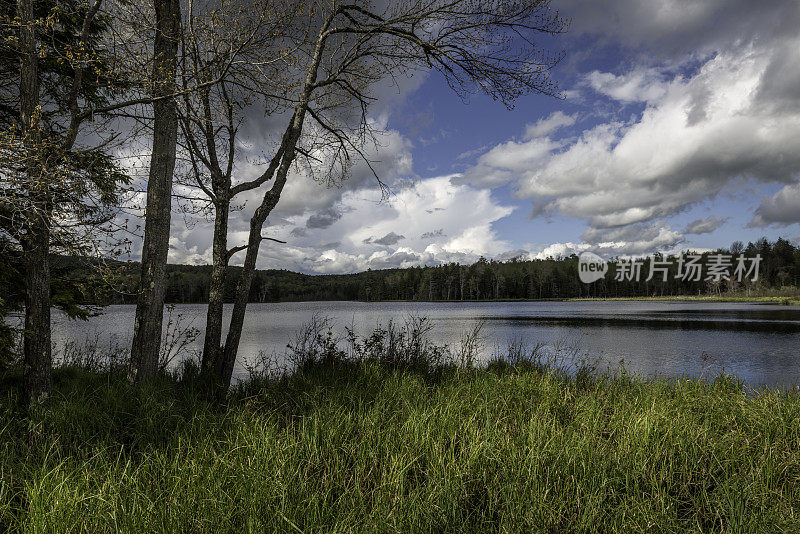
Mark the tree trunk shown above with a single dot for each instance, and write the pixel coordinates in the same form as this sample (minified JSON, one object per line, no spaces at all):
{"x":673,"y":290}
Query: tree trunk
{"x":224,"y":367}
{"x":224,"y":370}
{"x":150,"y":304}
{"x":216,"y":290}
{"x":36,"y":244}
{"x":36,"y":344}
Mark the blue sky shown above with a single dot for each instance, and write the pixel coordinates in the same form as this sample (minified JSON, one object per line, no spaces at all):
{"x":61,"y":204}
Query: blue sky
{"x":679,"y":128}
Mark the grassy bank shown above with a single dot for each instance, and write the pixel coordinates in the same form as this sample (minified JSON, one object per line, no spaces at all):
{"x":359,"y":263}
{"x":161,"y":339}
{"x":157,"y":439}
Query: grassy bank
{"x":367,"y":447}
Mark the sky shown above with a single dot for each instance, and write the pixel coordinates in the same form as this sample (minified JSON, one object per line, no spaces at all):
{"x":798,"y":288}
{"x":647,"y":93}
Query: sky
{"x":678,"y":128}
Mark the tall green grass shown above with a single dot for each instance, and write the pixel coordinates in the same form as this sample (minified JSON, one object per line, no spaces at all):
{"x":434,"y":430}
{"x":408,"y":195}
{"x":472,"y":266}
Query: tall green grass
{"x":360,"y":447}
{"x":390,"y":440}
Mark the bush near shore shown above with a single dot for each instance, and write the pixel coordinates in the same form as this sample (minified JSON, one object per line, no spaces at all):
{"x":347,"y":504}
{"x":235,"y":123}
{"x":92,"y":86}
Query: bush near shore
{"x":400,"y":444}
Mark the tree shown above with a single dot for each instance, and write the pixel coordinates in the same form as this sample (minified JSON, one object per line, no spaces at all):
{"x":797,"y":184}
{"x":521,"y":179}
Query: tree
{"x":75,"y":65}
{"x":337,"y":51}
{"x":199,"y":70}
{"x":55,"y":185}
{"x":228,"y":42}
{"x":163,"y":87}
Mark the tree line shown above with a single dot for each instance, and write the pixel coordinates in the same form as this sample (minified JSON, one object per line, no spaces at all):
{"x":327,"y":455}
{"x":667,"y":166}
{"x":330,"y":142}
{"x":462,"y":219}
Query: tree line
{"x":83,"y":81}
{"x":524,"y":279}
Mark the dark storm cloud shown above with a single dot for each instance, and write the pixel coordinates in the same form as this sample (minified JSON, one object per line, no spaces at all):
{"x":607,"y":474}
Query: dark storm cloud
{"x":324,"y":218}
{"x":780,"y":209}
{"x":705,"y":226}
{"x":389,"y":239}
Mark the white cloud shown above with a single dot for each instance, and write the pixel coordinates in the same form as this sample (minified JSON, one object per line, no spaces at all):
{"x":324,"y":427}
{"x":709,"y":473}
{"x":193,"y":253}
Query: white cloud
{"x":696,"y":137}
{"x":641,"y":85}
{"x":421,"y":223}
{"x":505,"y":162}
{"x":549,"y":124}
{"x":309,"y":204}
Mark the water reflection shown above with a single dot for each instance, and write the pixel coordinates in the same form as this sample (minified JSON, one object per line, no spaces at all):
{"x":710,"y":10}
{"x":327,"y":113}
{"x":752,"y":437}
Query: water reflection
{"x":758,"y":343}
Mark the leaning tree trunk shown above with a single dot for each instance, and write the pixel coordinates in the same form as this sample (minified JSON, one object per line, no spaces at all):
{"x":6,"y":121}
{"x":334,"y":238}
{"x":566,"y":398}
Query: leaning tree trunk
{"x":36,"y":244}
{"x":150,"y":304}
{"x":224,"y":366}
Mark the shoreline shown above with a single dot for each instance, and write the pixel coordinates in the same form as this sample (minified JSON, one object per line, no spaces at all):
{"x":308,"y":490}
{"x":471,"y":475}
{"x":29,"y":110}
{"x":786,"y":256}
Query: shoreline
{"x":786,"y":301}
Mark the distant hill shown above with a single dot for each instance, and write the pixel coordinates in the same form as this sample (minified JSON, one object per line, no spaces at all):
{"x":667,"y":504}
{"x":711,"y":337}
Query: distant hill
{"x":552,"y":278}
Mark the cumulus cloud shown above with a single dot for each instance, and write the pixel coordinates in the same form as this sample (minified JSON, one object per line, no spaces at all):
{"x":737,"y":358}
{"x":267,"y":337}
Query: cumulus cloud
{"x":717,"y":83}
{"x":507,"y":161}
{"x":705,"y":226}
{"x":349,"y":243}
{"x":696,"y":137}
{"x":516,"y":254}
{"x":658,"y":235}
{"x":780,"y":209}
{"x":667,"y":241}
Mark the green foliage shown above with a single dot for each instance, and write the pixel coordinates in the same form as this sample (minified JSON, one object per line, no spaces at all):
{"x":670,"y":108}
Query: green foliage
{"x":59,"y":25}
{"x":43,"y":173}
{"x":362,"y":447}
{"x":70,"y":290}
{"x":12,"y":294}
{"x":7,"y":354}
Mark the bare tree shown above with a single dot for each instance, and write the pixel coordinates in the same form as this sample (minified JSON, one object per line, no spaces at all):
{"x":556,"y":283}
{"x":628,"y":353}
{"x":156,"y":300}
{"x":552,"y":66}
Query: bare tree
{"x":246,"y":42}
{"x":332,"y":56}
{"x":211,"y":54}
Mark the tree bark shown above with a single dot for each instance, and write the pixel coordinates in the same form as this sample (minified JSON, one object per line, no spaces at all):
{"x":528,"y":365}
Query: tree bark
{"x":36,"y":244}
{"x":36,"y":344}
{"x":150,"y":304}
{"x":216,"y":291}
{"x":224,"y":366}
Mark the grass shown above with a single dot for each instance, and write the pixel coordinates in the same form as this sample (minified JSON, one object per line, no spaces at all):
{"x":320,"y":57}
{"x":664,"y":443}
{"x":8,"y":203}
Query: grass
{"x":362,"y":446}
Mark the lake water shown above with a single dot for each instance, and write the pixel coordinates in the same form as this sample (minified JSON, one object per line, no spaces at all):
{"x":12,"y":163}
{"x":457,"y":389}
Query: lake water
{"x":758,"y":343}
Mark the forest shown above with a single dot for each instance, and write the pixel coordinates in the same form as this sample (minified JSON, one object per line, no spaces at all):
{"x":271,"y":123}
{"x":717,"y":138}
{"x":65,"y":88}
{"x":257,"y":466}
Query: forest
{"x":78,"y":282}
{"x":551,"y":278}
